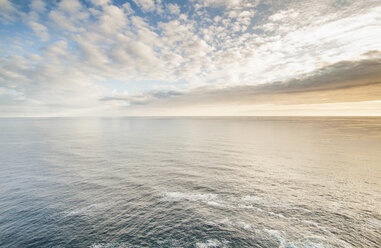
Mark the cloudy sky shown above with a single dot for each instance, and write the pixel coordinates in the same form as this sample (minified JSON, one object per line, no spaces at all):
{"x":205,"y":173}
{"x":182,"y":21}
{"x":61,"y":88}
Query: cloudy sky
{"x":211,"y":57}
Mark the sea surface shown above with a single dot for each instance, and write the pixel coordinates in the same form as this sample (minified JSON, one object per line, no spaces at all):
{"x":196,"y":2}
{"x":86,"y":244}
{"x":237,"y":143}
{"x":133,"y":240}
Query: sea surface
{"x":190,"y":182}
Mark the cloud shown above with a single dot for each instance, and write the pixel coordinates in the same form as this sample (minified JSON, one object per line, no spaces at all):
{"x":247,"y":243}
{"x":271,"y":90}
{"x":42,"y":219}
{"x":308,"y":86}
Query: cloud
{"x":7,"y":11}
{"x":359,"y":80}
{"x":173,"y":9}
{"x":184,"y":53}
{"x":146,"y":5}
{"x":112,"y":20}
{"x":70,"y":6}
{"x":142,"y":99}
{"x":38,"y":6}
{"x":70,"y":15}
{"x":100,"y":2}
{"x":221,"y":3}
{"x":40,"y":30}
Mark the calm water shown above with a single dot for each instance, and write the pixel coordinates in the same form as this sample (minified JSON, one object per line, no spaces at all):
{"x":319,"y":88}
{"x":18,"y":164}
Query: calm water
{"x":190,"y":182}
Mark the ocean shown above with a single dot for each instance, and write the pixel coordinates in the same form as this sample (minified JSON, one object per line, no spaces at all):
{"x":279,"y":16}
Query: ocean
{"x":190,"y":182}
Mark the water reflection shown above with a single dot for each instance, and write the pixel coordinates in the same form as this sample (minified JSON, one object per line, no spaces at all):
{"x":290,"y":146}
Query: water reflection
{"x":217,"y":182}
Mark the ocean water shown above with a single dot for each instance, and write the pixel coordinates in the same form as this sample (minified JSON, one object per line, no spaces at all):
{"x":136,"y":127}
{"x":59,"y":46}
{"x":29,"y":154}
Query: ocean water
{"x":190,"y":182}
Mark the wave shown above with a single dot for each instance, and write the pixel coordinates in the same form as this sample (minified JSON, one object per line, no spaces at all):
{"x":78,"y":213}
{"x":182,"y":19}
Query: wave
{"x":229,"y":223}
{"x":170,"y":243}
{"x":265,"y":206}
{"x":178,"y":196}
{"x":307,"y":242}
{"x":212,"y":243}
{"x":208,"y":199}
{"x":213,"y":200}
{"x":375,"y":223}
{"x":269,"y":202}
{"x":110,"y":245}
{"x":88,"y":210}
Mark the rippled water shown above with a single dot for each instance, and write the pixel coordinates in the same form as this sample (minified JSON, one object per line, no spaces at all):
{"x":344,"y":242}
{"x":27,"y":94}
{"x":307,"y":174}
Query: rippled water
{"x":190,"y":182}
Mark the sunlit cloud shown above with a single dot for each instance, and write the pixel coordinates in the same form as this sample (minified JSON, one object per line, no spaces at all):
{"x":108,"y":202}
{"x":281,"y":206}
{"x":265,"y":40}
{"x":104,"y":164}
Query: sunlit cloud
{"x":104,"y":57}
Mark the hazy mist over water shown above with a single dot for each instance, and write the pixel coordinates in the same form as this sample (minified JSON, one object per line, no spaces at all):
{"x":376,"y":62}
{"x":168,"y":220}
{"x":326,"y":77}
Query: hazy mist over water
{"x":190,"y":182}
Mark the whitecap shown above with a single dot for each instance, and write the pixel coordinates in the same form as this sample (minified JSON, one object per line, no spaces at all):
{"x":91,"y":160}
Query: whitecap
{"x":179,"y":196}
{"x":316,"y":225}
{"x":278,"y":236}
{"x":208,"y":199}
{"x":110,"y":245}
{"x":230,"y":223}
{"x":281,"y":238}
{"x":277,"y":215}
{"x":211,"y":243}
{"x":270,"y":202}
{"x":85,"y":210}
{"x":215,"y":204}
{"x":171,"y":242}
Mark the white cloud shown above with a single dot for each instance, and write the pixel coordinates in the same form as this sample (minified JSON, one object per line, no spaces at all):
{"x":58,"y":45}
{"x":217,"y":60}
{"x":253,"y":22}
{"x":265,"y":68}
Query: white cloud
{"x":173,"y":9}
{"x":146,"y":5}
{"x":38,"y":6}
{"x":70,"y":6}
{"x":7,"y":11}
{"x":40,"y":30}
{"x":100,"y":2}
{"x":112,"y":20}
{"x":127,"y":8}
{"x":220,"y":3}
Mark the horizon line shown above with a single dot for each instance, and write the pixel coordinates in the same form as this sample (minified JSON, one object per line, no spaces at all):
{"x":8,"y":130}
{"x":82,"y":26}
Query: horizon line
{"x":193,"y":116}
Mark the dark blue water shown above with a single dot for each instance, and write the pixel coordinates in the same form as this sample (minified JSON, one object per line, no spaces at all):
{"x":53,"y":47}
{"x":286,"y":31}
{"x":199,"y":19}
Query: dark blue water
{"x":190,"y":182}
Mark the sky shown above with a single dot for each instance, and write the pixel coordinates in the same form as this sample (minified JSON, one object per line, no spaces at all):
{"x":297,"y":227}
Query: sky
{"x":190,"y":58}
